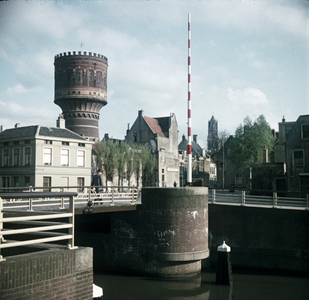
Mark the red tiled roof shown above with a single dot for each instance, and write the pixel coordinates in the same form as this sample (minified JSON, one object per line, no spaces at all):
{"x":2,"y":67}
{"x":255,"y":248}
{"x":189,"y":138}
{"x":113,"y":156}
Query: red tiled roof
{"x":154,"y":126}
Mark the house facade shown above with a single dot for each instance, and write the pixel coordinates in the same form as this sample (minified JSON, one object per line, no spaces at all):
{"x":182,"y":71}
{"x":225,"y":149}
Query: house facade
{"x":161,"y":134}
{"x":297,"y":156}
{"x":41,"y":156}
{"x":204,"y":171}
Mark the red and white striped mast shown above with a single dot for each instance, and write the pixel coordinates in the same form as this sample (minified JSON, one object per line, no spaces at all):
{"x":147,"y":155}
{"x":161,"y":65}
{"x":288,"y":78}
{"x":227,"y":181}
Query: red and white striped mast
{"x":189,"y":146}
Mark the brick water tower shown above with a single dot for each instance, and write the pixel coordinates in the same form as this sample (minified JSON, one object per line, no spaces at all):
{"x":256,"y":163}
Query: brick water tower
{"x":81,"y":90}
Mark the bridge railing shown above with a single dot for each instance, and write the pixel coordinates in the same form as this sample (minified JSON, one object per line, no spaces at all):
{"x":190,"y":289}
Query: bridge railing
{"x":33,"y":222}
{"x":111,"y":195}
{"x":248,"y":198}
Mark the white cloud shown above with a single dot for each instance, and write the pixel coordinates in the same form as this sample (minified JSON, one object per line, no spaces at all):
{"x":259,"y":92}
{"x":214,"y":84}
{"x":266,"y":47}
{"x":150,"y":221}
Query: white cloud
{"x":250,"y":96}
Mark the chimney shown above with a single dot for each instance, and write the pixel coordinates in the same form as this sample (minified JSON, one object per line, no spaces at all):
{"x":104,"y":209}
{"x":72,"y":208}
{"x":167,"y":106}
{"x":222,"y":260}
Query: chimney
{"x":195,"y":138}
{"x":60,"y":122}
{"x":106,"y":137}
{"x":17,"y":125}
{"x":183,"y":137}
{"x":283,"y":119}
{"x":265,"y":155}
{"x":140,"y":113}
{"x":1,"y":128}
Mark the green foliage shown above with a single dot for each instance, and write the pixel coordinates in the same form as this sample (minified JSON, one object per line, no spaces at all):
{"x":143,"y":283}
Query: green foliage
{"x":149,"y":163}
{"x":246,"y":149}
{"x":124,"y":159}
{"x":108,"y":158}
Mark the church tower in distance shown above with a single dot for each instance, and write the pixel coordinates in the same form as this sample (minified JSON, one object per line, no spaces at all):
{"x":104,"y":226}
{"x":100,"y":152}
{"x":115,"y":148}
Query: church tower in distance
{"x":81,"y":90}
{"x":212,"y":139}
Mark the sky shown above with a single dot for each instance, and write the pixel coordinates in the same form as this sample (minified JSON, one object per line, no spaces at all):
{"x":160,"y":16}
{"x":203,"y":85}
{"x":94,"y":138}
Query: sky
{"x":247,"y":58}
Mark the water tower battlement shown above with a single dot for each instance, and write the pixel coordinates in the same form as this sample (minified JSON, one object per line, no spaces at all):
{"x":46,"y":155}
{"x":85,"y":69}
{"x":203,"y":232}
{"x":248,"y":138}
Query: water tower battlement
{"x":81,"y":90}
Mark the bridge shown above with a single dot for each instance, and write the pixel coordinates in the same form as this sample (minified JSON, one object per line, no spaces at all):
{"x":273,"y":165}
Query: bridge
{"x":32,"y":207}
{"x":264,"y":232}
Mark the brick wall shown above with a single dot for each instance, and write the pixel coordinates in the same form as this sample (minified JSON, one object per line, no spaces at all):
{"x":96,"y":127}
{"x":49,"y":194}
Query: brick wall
{"x":167,"y":236}
{"x":57,"y":273}
{"x":261,"y":238}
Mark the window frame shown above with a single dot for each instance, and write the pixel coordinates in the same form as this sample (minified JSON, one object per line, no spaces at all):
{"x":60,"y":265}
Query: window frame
{"x":302,"y":131}
{"x":16,"y":157}
{"x":67,"y":157}
{"x":27,"y":156}
{"x":50,"y":156}
{"x":303,"y":158}
{"x":83,"y":157}
{"x":6,"y":158}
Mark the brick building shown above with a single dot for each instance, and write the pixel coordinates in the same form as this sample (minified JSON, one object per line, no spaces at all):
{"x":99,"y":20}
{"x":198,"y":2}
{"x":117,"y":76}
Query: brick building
{"x":81,"y":90}
{"x":162,"y":135}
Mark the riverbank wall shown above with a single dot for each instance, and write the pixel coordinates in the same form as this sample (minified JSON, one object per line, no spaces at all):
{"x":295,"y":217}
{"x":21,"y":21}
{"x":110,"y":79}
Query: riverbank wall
{"x":47,"y":272}
{"x":261,"y":239}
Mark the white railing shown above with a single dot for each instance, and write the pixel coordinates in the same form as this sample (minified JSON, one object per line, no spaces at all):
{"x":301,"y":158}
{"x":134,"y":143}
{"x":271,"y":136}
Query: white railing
{"x":245,"y":198}
{"x":89,"y":196}
{"x":33,"y":222}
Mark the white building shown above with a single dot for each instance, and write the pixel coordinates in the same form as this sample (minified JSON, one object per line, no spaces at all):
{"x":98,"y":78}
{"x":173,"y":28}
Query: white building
{"x":43,"y":156}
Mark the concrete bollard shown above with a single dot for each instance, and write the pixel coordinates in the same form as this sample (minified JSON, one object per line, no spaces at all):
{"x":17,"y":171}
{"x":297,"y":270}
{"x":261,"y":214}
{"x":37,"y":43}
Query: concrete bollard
{"x":224,"y":265}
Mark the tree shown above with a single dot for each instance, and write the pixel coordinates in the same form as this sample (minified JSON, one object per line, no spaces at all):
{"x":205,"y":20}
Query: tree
{"x":246,"y":149}
{"x":125,"y":160}
{"x":223,"y":135}
{"x":120,"y":160}
{"x":108,"y":158}
{"x":149,"y":163}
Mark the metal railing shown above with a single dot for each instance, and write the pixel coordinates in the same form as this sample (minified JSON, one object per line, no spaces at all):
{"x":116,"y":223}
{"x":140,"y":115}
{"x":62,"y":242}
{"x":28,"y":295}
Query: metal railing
{"x":110,"y":195}
{"x":247,"y":198}
{"x":33,"y":222}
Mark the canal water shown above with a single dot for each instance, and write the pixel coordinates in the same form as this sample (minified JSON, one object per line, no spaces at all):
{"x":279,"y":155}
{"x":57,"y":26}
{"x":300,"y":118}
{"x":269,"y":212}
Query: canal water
{"x":203,"y":287}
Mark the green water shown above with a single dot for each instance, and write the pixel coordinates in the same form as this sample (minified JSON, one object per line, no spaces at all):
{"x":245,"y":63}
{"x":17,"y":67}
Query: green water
{"x":203,"y":287}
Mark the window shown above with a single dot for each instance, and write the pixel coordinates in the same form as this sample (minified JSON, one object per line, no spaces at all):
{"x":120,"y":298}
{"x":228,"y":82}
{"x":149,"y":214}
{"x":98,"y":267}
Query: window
{"x":305,"y":131}
{"x":135,"y":136}
{"x":64,"y":157}
{"x":79,"y":76}
{"x":16,"y":157}
{"x":98,"y":77}
{"x":47,"y":156}
{"x":16,"y":181}
{"x":238,"y":178}
{"x":16,"y":142}
{"x":27,"y":156}
{"x":81,"y":145}
{"x":5,"y":144}
{"x":80,"y":183}
{"x":80,"y":158}
{"x":298,"y":157}
{"x":65,"y":143}
{"x":46,"y":183}
{"x":27,"y":142}
{"x":48,"y":142}
{"x":27,"y":181}
{"x":5,"y":181}
{"x":89,"y":75}
{"x":6,"y":157}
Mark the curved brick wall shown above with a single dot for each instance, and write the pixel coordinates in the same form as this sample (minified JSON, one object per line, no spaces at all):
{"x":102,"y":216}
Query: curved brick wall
{"x":81,"y":90}
{"x":176,"y":229}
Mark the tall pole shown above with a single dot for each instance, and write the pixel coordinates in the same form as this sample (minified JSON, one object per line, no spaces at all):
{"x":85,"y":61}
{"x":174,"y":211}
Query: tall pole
{"x":189,"y":147}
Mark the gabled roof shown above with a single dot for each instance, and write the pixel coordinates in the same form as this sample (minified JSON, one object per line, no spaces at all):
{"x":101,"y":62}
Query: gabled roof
{"x":154,"y":126}
{"x":32,"y":131}
{"x":196,"y":148}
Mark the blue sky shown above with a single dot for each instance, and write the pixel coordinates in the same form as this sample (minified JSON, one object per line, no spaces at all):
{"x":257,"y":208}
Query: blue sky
{"x":248,"y":58}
